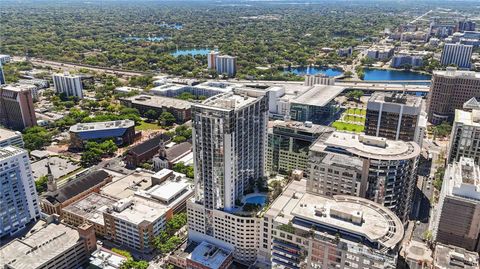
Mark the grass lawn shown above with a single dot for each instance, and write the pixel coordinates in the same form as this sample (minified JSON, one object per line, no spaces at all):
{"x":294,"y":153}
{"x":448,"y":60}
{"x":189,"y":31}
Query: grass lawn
{"x":357,"y":111}
{"x":147,"y":126}
{"x":342,"y":126}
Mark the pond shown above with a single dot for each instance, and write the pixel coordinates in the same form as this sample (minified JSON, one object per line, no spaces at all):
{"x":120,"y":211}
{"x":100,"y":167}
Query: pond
{"x":191,"y":52}
{"x":379,"y":74}
{"x":312,"y":70}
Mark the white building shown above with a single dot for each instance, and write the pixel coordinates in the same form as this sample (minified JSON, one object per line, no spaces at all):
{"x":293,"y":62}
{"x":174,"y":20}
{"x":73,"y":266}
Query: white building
{"x":321,"y":79}
{"x":69,"y":84}
{"x":457,"y":54}
{"x":10,"y":138}
{"x":226,"y":64}
{"x":465,"y":134}
{"x":229,"y":133}
{"x":18,"y":195}
{"x":4,"y":59}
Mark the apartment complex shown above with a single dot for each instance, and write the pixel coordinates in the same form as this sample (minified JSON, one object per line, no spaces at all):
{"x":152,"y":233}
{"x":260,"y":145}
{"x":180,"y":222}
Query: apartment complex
{"x":406,"y":60}
{"x":211,"y":59}
{"x":381,"y":170}
{"x":18,"y":195}
{"x":70,"y":85}
{"x":450,"y":89}
{"x":226,"y":64}
{"x":10,"y":138}
{"x":179,"y":108}
{"x":288,"y":145}
{"x":49,"y":245}
{"x":380,"y":52}
{"x":465,"y":136}
{"x":303,"y":230}
{"x":122,"y":131}
{"x":458,"y":209}
{"x":229,"y":133}
{"x":458,"y":54}
{"x":396,"y":117}
{"x":16,"y":107}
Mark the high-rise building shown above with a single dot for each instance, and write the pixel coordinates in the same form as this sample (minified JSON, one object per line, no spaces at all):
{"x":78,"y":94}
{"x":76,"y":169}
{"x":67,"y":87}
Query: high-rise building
{"x":395,"y":116}
{"x":10,"y":138}
{"x":450,"y":89}
{"x":2,"y":75}
{"x":466,"y":25}
{"x":18,"y":195}
{"x":70,"y":85}
{"x":381,"y":170}
{"x":457,"y":54}
{"x":302,"y":230}
{"x":226,"y":64}
{"x":465,"y":137}
{"x":212,"y":59}
{"x":229,"y":137}
{"x":288,"y":144}
{"x":457,"y":220}
{"x":16,"y":107}
{"x":321,"y":79}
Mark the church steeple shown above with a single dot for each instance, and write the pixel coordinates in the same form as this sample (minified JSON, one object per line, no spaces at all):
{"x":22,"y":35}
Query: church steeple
{"x":51,"y":182}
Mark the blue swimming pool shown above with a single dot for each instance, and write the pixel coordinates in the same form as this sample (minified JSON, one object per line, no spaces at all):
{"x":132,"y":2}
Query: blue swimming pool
{"x":257,"y":199}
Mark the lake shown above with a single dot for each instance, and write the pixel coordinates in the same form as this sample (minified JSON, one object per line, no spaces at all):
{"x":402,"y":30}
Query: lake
{"x":378,"y":74}
{"x":191,"y":52}
{"x":311,"y":70}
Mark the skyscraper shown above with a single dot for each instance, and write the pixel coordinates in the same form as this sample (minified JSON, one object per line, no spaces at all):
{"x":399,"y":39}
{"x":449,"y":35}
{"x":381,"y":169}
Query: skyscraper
{"x":71,"y":85}
{"x":18,"y":195}
{"x":395,"y":116}
{"x":381,"y":170}
{"x":226,"y":64}
{"x":229,"y":136}
{"x":2,"y":75}
{"x":16,"y":107}
{"x":450,"y":89}
{"x":212,"y":59}
{"x":464,"y":140}
{"x":457,"y":54}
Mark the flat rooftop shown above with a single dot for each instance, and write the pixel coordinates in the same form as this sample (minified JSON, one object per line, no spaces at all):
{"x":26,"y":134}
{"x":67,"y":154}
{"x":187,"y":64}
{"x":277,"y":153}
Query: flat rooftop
{"x":233,"y":100}
{"x":301,"y":126}
{"x":462,"y":179}
{"x":209,"y":255}
{"x":68,"y":75}
{"x":97,"y":126}
{"x":351,"y":214}
{"x":468,"y":118}
{"x":136,"y":209}
{"x":7,"y":134}
{"x":10,"y":151}
{"x":453,"y":73}
{"x":91,"y":207}
{"x":451,"y":257}
{"x":39,"y":247}
{"x":396,"y":98}
{"x":159,"y":101}
{"x":368,"y":146}
{"x":128,"y":185}
{"x":58,"y":166}
{"x":318,"y":95}
{"x":18,"y":87}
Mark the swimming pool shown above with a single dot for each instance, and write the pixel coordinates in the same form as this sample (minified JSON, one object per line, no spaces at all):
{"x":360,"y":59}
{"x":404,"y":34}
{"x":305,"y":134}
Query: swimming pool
{"x":256,"y":199}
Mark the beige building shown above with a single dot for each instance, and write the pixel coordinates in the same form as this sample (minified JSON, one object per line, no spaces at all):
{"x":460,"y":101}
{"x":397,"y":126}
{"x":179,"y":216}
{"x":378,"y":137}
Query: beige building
{"x":450,"y":89}
{"x":381,"y":170}
{"x":450,"y":257}
{"x":49,"y":245}
{"x":458,"y":210}
{"x":465,"y":136}
{"x":304,"y":230}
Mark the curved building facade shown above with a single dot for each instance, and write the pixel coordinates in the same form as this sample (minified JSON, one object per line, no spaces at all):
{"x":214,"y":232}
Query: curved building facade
{"x":381,"y":170}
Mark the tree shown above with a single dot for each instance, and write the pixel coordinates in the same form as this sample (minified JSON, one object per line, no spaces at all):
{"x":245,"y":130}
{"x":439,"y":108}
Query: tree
{"x":348,"y":74}
{"x":179,"y":139}
{"x":151,"y":114}
{"x":36,"y":137}
{"x":131,"y":264}
{"x":167,"y":118}
{"x":41,"y":184}
{"x":184,"y":169}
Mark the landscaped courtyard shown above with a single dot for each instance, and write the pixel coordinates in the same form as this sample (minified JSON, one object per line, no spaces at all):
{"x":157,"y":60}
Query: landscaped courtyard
{"x":352,"y":120}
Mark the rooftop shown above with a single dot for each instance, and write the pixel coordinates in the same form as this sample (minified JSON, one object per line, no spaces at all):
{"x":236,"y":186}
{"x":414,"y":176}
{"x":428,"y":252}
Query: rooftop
{"x":18,"y":87}
{"x":353,"y":215}
{"x":106,"y":259}
{"x":91,"y":207}
{"x":76,"y":186}
{"x":454,"y":73}
{"x":7,"y":134}
{"x":239,"y":98}
{"x":58,"y":166}
{"x":9,"y":151}
{"x":106,"y":125}
{"x":396,"y":98}
{"x":178,"y":150}
{"x":170,"y":191}
{"x":301,"y":126}
{"x":209,"y":255}
{"x":159,"y":101}
{"x":368,"y":146}
{"x":136,"y":209}
{"x":149,"y":144}
{"x":471,"y":118}
{"x":318,"y":95}
{"x":128,"y":185}
{"x":38,"y":247}
{"x":462,"y":179}
{"x":450,"y":257}
{"x":66,"y":74}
